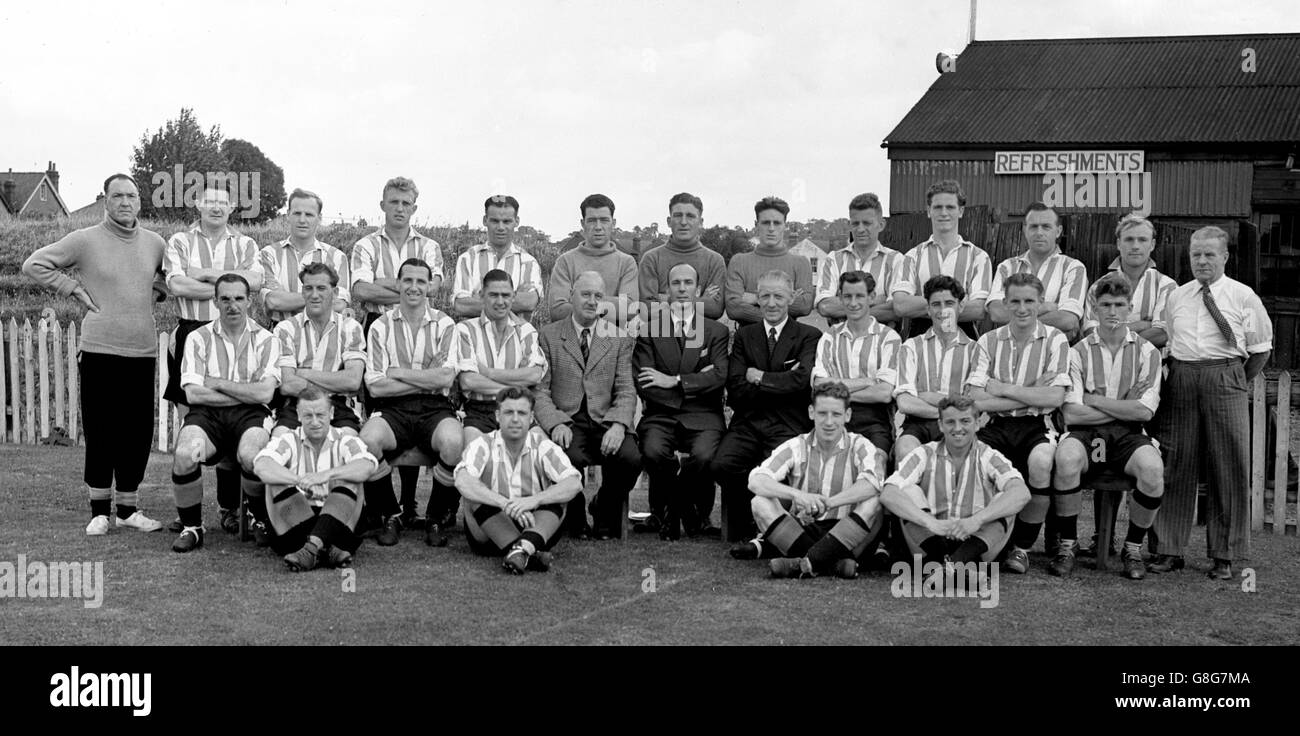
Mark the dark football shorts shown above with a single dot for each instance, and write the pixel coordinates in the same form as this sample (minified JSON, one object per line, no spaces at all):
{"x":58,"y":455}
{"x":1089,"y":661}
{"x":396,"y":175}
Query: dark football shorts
{"x":873,"y":422}
{"x":413,"y":419}
{"x":924,"y":430}
{"x":1016,"y":437}
{"x":1110,"y":446}
{"x":225,"y":425}
{"x":481,"y":415}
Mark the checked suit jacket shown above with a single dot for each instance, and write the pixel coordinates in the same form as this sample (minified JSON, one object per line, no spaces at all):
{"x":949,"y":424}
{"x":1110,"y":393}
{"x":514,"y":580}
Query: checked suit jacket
{"x":779,"y":404}
{"x":697,"y":401}
{"x":605,"y":379}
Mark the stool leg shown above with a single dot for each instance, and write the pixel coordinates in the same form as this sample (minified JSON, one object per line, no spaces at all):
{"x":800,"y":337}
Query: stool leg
{"x":1105,"y":529}
{"x":244,"y":534}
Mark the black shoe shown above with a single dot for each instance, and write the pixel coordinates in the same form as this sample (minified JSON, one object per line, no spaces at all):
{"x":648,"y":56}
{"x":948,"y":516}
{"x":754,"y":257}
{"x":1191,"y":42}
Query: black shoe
{"x":540,"y":561}
{"x":1063,"y":563}
{"x":649,"y":525}
{"x":1222,"y":570}
{"x":446,"y":520}
{"x":230,"y":521}
{"x":191,"y":538}
{"x":262,"y":534}
{"x":302,"y":560}
{"x":1165,"y":563}
{"x":516,"y":560}
{"x":879,"y":561}
{"x":1134,"y":567}
{"x":433,"y":535}
{"x":750,"y":550}
{"x":389,"y":533}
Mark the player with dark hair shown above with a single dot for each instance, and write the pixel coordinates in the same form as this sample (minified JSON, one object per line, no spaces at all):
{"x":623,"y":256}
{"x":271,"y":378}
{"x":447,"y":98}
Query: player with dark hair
{"x":772,"y":253}
{"x":958,"y":496}
{"x":816,"y":499}
{"x":1065,"y":280}
{"x":598,"y":253}
{"x":863,"y":253}
{"x":515,"y":485}
{"x":1115,"y":389}
{"x":686,"y":221}
{"x":498,"y":253}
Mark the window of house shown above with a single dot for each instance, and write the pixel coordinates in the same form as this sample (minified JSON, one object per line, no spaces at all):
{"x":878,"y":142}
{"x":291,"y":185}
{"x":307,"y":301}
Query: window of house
{"x":1279,"y":253}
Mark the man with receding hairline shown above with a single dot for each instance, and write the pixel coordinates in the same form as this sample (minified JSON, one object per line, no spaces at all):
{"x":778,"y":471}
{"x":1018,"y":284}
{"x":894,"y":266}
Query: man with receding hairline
{"x":1064,"y":278}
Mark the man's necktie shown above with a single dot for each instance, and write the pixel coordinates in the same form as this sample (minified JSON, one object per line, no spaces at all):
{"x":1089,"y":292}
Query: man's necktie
{"x":1224,"y":328}
{"x":586,"y":334}
{"x":771,"y":341}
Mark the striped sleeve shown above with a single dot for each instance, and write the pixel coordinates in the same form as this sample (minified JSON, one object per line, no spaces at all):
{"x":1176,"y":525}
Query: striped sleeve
{"x":1074,"y":393}
{"x":1164,"y":287}
{"x":825,"y":357}
{"x":778,"y":465}
{"x":286,"y":333}
{"x":981,"y":275}
{"x":280,"y":449}
{"x":377,"y":350}
{"x":890,"y":345}
{"x":1074,"y":288}
{"x":998,"y":469}
{"x":352,"y":342}
{"x":460,"y":287}
{"x":997,"y":291}
{"x":532,"y":273}
{"x":907,"y":363}
{"x":864,"y":458}
{"x":905,"y":282}
{"x":530,"y":344}
{"x":345,"y":273}
{"x":268,"y":359}
{"x":363,"y":261}
{"x":896,"y":268}
{"x":432,"y":254}
{"x":979,"y":369}
{"x":1152,"y":373}
{"x":248,"y":260}
{"x":911,"y":471}
{"x":476,"y":456}
{"x":1058,"y":360}
{"x":555,"y":463}
{"x":352,"y":448}
{"x":194,"y":366}
{"x":177,"y":257}
{"x":828,"y":278}
{"x":271,"y":280}
{"x":462,"y":356}
{"x":446,"y":336}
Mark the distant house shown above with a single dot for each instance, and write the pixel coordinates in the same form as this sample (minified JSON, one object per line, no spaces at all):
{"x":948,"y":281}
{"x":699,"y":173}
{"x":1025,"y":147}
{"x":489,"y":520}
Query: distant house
{"x":94,"y":209}
{"x":32,"y":194}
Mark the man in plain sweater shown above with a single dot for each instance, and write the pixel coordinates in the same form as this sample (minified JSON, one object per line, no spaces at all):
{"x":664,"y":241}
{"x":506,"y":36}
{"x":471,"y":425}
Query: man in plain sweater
{"x":686,"y":220}
{"x":771,"y":254}
{"x":119,"y":264}
{"x":597,"y":253}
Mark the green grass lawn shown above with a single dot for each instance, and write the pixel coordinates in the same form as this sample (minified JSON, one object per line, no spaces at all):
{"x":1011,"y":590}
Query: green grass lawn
{"x":232,"y":593}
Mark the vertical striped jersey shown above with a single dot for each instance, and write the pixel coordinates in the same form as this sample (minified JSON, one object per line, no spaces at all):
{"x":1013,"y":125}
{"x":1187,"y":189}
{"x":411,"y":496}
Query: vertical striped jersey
{"x":192,"y":249}
{"x":955,"y":488}
{"x":474,"y":263}
{"x":925,"y":364}
{"x":1149,"y":295}
{"x":1065,"y":280}
{"x":394,"y":341}
{"x":800,"y":463}
{"x":376,"y":256}
{"x":1094,"y":369}
{"x":884,"y":264}
{"x":998,"y":357}
{"x":294,"y":451}
{"x":281,"y":263}
{"x":476,"y":346}
{"x":967,"y":263}
{"x":541,"y":464}
{"x":303,"y":346}
{"x":250,"y":357}
{"x":874,"y":355}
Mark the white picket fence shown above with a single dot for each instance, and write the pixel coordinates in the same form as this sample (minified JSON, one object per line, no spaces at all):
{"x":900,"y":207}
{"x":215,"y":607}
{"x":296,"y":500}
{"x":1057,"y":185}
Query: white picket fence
{"x":41,"y":366}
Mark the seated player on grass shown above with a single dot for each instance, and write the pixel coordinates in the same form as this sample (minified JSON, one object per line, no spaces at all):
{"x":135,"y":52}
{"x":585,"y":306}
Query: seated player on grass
{"x":515,"y":486}
{"x":314,"y":475}
{"x":958,"y":497}
{"x":816,"y":497}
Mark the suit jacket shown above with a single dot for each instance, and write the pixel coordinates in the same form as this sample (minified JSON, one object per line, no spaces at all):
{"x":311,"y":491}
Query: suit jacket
{"x":697,"y":401}
{"x":606,"y":379}
{"x":780,"y":402}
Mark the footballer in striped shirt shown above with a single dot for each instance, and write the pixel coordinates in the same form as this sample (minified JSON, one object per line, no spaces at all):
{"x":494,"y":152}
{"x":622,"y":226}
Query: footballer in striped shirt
{"x":375,"y":257}
{"x":516,"y":485}
{"x":322,"y":348}
{"x":313,"y":476}
{"x":864,"y":253}
{"x":957,"y":497}
{"x":1020,"y":376}
{"x":1115,"y":378}
{"x":282,"y":261}
{"x":816,"y":497}
{"x":500,"y":218}
{"x":932,"y":366}
{"x":1135,"y":240}
{"x":1065,"y":279}
{"x":494,"y":351}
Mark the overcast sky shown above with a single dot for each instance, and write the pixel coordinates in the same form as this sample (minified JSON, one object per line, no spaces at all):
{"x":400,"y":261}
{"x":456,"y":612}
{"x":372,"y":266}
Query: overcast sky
{"x":545,"y":100}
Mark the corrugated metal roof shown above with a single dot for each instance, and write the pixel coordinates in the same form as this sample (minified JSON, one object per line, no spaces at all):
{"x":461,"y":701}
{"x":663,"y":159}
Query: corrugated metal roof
{"x":1189,"y":89}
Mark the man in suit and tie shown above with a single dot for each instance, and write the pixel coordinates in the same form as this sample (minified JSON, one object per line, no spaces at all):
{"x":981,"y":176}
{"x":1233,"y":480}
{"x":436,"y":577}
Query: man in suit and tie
{"x":768,"y":388}
{"x":681,"y":370}
{"x":586,"y":400}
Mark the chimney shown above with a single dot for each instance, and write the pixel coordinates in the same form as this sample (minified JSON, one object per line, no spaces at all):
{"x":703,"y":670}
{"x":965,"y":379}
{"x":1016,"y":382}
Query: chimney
{"x":53,"y":176}
{"x":9,"y":195}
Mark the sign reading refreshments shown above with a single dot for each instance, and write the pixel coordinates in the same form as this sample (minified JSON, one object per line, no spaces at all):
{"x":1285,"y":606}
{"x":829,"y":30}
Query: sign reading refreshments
{"x":1066,"y":162}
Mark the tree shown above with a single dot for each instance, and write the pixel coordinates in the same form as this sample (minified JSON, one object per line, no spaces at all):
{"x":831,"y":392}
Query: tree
{"x":244,"y":158}
{"x":164,"y":161}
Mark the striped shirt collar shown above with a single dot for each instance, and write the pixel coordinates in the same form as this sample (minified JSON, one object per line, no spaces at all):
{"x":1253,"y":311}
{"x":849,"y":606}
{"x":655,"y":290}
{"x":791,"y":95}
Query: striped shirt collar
{"x":514,"y":323}
{"x":962,"y":337}
{"x":1094,"y":337}
{"x":250,"y":328}
{"x":976,"y":450}
{"x":841,"y":445}
{"x":333,"y":436}
{"x":315,"y":245}
{"x":511,"y":249}
{"x":879,"y":250}
{"x":1024,"y":257}
{"x":428,"y":315}
{"x":226,"y":232}
{"x":501,"y":451}
{"x":1004,"y":332}
{"x":411,"y":234}
{"x":932,"y":243}
{"x":1116,"y":265}
{"x":874,"y":327}
{"x":303,"y":320}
